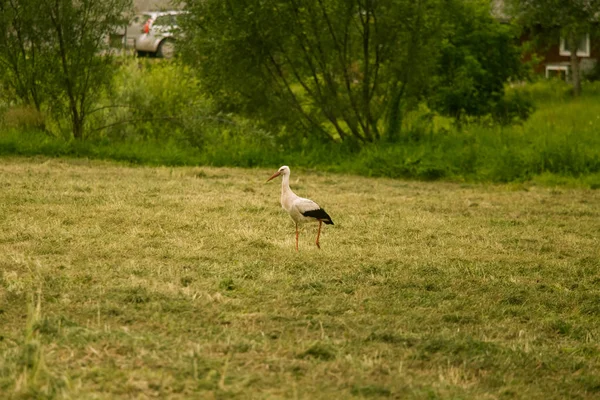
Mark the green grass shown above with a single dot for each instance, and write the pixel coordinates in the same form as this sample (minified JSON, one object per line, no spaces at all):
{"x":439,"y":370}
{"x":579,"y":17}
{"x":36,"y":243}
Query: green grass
{"x":121,"y":282}
{"x":559,"y":143}
{"x":560,"y":139}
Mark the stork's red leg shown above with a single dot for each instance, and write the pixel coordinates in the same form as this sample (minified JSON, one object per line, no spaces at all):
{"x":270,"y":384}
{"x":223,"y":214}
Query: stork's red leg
{"x":296,"y":237}
{"x":319,"y":234}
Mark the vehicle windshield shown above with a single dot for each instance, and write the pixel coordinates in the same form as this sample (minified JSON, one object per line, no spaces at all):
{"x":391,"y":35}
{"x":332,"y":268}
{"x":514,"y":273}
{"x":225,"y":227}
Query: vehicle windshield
{"x":140,"y":19}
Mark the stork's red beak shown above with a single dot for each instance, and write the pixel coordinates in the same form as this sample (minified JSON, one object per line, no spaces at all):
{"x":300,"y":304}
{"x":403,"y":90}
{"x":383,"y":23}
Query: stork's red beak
{"x":275,"y":175}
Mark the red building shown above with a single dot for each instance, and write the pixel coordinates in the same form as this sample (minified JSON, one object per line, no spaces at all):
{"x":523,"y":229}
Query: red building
{"x":551,"y":49}
{"x":556,"y":58}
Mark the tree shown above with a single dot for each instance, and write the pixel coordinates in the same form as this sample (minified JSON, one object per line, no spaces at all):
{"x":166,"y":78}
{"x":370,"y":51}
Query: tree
{"x":573,"y":18}
{"x":477,"y":58}
{"x":346,"y":69}
{"x":54,"y":53}
{"x":21,"y":66}
{"x":336,"y":67}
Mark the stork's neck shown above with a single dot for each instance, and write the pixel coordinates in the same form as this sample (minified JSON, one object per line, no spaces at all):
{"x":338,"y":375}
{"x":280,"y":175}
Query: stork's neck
{"x":285,"y":184}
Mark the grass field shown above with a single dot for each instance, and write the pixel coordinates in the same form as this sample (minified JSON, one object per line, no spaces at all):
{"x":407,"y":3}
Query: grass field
{"x":121,"y":282}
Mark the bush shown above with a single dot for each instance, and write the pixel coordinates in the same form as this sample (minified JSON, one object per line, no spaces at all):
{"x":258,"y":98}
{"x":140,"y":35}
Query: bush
{"x":514,"y":108}
{"x":23,"y":117}
{"x":151,"y":100}
{"x":161,"y":101}
{"x":471,"y":76}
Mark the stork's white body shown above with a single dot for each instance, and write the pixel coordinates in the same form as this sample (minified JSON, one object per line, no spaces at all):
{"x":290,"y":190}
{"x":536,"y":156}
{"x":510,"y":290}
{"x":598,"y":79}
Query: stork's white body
{"x":300,"y":209}
{"x":294,"y":204}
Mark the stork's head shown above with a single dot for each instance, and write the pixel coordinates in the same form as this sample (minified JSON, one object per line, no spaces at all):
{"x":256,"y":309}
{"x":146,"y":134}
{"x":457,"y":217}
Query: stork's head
{"x":285,"y":170}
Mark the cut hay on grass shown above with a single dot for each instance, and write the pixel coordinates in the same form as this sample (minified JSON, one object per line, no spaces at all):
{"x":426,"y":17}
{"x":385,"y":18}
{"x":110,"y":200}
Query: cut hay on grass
{"x":121,"y":282}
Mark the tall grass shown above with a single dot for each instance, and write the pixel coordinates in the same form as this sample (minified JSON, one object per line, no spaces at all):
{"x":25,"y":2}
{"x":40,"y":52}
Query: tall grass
{"x":157,"y":115}
{"x":560,"y":138}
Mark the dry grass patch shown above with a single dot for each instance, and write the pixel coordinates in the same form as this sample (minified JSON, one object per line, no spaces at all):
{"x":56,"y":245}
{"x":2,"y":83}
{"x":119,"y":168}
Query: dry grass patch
{"x":184,"y":282}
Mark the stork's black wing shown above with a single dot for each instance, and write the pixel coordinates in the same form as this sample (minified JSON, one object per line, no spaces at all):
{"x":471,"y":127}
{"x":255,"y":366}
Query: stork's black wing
{"x":319,"y":214}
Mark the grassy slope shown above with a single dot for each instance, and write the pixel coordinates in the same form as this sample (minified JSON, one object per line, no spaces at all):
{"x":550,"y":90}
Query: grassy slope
{"x":179,"y":281}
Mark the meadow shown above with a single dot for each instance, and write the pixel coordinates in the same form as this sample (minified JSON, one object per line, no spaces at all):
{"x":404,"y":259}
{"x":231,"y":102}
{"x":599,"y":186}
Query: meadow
{"x":182,"y":282}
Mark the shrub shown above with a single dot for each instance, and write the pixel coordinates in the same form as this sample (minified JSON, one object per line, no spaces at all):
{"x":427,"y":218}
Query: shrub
{"x":515,"y":107}
{"x":151,"y":100}
{"x":23,"y":117}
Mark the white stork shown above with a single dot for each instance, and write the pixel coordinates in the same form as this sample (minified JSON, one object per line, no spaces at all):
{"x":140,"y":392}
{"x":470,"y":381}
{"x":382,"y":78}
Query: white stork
{"x":300,"y":209}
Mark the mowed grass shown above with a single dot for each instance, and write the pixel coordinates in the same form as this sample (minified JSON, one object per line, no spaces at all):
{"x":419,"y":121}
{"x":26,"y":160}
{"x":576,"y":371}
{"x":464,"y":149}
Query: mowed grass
{"x":121,"y":282}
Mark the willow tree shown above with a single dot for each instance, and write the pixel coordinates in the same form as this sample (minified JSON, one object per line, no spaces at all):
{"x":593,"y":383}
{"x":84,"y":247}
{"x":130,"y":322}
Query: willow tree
{"x":336,"y":67}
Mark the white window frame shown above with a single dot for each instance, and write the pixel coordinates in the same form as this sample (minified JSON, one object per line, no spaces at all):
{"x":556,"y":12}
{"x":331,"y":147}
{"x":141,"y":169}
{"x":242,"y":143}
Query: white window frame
{"x":557,"y":68}
{"x":565,"y":52}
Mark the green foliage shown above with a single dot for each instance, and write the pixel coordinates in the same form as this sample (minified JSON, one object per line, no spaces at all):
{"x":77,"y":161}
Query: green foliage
{"x":478,"y":57}
{"x":54,"y":55}
{"x":551,"y":92}
{"x":23,"y":72}
{"x":514,"y":107}
{"x":151,"y":101}
{"x":347,"y":70}
{"x":558,"y":140}
{"x":569,"y":15}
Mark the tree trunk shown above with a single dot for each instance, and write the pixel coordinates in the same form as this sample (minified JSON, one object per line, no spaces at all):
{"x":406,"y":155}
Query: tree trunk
{"x":575,"y":71}
{"x":394,"y":122}
{"x":77,"y":125}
